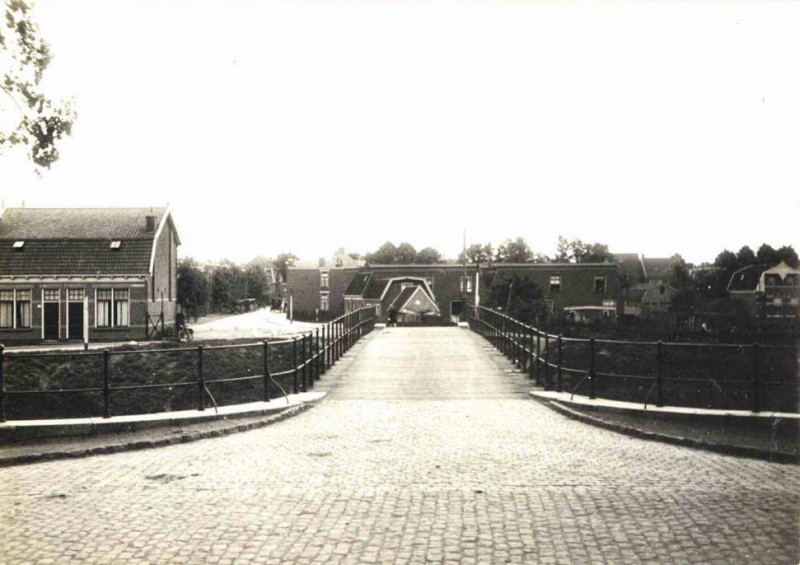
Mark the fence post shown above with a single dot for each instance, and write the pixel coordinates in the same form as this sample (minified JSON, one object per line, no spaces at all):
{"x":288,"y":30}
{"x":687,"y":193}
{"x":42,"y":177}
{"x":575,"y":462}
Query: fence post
{"x":326,"y":342}
{"x":659,"y":379}
{"x":201,"y":383}
{"x":2,"y":384}
{"x":538,"y":360}
{"x":106,"y":390}
{"x":756,"y":348}
{"x":592,"y":387}
{"x":266,"y":370}
{"x":295,"y":387}
{"x":531,"y":357}
{"x":547,"y":361}
{"x":317,"y":356}
{"x":303,"y":386}
{"x":559,"y":387}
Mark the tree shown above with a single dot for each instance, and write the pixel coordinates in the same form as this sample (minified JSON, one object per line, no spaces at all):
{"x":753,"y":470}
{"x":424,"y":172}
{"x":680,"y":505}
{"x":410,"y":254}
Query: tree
{"x":788,"y":254}
{"x":746,"y":257}
{"x":385,"y":255}
{"x":767,"y":257}
{"x":517,"y":295}
{"x":257,"y":284}
{"x":192,"y":287}
{"x":516,"y":251}
{"x":477,"y":253}
{"x":428,"y":256}
{"x":228,"y":285}
{"x":24,"y":56}
{"x":576,"y":251}
{"x":282,"y":263}
{"x":405,"y":254}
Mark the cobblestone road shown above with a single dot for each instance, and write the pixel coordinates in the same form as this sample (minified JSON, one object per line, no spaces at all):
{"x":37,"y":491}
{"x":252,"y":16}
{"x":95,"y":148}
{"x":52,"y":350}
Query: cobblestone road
{"x":425,"y":451}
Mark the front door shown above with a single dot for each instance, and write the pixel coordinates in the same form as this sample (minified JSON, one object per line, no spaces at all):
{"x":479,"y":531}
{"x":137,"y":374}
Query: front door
{"x":456,"y":308}
{"x":76,"y":320}
{"x":51,"y":320}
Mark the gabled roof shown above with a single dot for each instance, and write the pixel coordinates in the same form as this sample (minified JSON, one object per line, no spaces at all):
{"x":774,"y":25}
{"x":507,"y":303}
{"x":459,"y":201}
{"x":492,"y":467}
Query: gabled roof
{"x":77,"y":241}
{"x":630,"y":263}
{"x":74,"y":257}
{"x":78,"y":223}
{"x":745,"y":279}
{"x":358,"y":284}
{"x":415,"y":301}
{"x":375,"y":288}
{"x":658,"y":268}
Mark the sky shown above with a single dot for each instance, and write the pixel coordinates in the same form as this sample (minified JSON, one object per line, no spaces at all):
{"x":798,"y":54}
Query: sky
{"x":306,"y":126}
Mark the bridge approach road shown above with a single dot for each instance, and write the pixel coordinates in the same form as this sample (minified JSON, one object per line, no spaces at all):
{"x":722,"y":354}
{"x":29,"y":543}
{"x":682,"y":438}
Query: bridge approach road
{"x":427,"y":450}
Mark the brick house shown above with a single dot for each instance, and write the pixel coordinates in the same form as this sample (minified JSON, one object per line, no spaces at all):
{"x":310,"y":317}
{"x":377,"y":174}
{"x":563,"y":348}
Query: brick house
{"x":769,"y":293}
{"x":113,"y":268}
{"x":564,"y":285}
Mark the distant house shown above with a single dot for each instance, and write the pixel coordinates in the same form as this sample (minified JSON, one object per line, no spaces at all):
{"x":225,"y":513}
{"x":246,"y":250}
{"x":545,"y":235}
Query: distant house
{"x":317,"y":287}
{"x":770,"y":293}
{"x":646,"y":291}
{"x":113,"y":269}
{"x":450,"y":287}
{"x":407,"y":299}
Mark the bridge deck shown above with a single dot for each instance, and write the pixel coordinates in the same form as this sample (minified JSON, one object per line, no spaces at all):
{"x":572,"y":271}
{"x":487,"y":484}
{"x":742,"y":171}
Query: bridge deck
{"x":425,"y":451}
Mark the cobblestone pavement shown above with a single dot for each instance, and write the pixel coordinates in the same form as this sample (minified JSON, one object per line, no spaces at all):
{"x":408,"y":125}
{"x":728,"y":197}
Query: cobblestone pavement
{"x":426,"y":450}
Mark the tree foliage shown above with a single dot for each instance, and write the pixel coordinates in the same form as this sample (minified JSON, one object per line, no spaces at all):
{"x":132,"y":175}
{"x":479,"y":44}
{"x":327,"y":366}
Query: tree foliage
{"x":192,"y":288}
{"x":405,"y":254}
{"x":576,"y":251}
{"x":282,"y":263}
{"x":385,"y":255}
{"x":428,"y":256}
{"x":39,"y":123}
{"x":517,"y":295}
{"x":514,"y":251}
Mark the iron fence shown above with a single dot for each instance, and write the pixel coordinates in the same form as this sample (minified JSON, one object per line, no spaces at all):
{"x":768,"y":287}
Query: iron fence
{"x":755,"y":377}
{"x":102,"y":383}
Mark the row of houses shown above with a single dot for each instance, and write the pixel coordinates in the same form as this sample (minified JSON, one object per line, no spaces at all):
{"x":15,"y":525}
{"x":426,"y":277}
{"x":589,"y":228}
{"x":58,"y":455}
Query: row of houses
{"x":111,"y":275}
{"x":439,"y":293}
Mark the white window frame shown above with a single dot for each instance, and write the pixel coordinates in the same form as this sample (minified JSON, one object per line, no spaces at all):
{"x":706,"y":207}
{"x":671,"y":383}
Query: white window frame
{"x":57,"y":301}
{"x":555,"y":281}
{"x":324,"y":279}
{"x":324,"y":301}
{"x":112,"y":321}
{"x":468,"y":281}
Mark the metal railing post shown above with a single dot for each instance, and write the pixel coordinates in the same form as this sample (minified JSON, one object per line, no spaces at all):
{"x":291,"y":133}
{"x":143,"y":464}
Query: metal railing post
{"x":756,"y":404}
{"x":559,"y":386}
{"x":538,"y":357}
{"x":547,"y":361}
{"x":201,"y":382}
{"x":265,"y":346}
{"x":303,"y":386}
{"x":295,"y":387}
{"x":531,"y":358}
{"x":2,"y":384}
{"x":317,"y":356}
{"x":592,"y":385}
{"x":659,"y":377}
{"x":106,"y":389}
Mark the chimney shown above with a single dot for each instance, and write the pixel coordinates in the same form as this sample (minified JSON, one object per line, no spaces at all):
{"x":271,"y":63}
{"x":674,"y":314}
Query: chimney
{"x":150,"y":224}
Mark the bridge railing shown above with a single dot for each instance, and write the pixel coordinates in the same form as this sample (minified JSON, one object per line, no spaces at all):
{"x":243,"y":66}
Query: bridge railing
{"x":71,"y":384}
{"x":753,"y":377}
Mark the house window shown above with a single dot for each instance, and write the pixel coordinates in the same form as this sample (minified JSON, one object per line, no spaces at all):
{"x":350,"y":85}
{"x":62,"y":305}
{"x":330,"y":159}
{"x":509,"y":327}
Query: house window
{"x":113,"y":308}
{"x":115,"y":244}
{"x":323,"y":279}
{"x":75,"y":294}
{"x":466,"y":284}
{"x":323,"y":301}
{"x":18,"y":245}
{"x":15,"y":309}
{"x":23,"y":317}
{"x":404,"y":286}
{"x":610,"y":303}
{"x":6,"y":308}
{"x":599,"y":283}
{"x":662,"y":289}
{"x":555,"y":283}
{"x":51,"y":294}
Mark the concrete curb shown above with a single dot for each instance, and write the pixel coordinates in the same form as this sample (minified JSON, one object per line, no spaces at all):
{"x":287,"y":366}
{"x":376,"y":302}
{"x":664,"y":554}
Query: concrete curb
{"x":191,"y":435}
{"x":741,"y":451}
